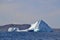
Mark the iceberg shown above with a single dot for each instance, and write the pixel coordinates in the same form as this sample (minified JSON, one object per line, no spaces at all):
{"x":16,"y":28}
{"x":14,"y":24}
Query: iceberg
{"x":38,"y":26}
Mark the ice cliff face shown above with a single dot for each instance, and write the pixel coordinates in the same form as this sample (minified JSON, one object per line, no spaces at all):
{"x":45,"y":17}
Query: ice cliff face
{"x":44,"y":27}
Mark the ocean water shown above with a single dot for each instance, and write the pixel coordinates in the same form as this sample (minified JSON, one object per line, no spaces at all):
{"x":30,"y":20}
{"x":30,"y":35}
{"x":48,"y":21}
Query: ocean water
{"x":29,"y":35}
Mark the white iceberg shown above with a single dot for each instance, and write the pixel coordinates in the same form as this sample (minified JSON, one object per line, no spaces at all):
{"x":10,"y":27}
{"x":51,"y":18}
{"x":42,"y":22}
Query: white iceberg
{"x":38,"y":26}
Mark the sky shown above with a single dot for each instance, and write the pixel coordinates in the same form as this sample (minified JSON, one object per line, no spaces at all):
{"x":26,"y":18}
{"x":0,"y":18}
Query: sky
{"x":29,"y":11}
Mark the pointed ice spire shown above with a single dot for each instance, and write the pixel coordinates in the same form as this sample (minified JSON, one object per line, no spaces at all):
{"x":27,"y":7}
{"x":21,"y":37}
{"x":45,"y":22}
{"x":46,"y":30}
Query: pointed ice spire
{"x":44,"y":27}
{"x":40,"y":26}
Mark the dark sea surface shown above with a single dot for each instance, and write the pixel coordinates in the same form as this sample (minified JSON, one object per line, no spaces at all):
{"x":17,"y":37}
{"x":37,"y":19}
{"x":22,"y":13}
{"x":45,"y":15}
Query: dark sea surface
{"x":29,"y":35}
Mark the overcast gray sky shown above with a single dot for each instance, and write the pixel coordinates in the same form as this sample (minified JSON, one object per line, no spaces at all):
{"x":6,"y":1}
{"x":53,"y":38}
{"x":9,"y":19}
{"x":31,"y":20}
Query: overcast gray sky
{"x":29,"y":11}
